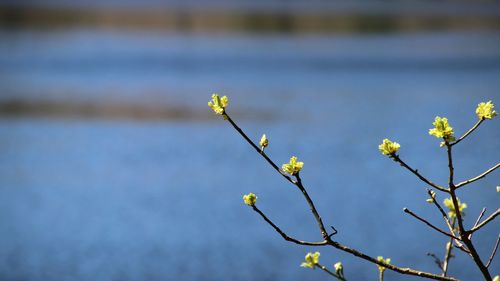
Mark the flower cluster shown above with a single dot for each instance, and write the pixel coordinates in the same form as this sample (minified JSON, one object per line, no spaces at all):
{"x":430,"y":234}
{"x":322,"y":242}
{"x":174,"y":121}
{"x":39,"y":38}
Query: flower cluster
{"x":442,"y":129}
{"x":293,"y":167}
{"x":448,"y":202}
{"x":311,"y":260}
{"x":485,"y":110}
{"x":388,"y":147}
{"x":250,"y":199}
{"x":386,"y":261}
{"x":218,"y":104}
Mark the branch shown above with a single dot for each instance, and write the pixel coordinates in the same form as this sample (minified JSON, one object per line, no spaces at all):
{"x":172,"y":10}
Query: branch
{"x":402,"y":270}
{"x":406,"y":210}
{"x":487,"y":220}
{"x":447,"y":256}
{"x":443,"y":213}
{"x":416,"y":173}
{"x":286,"y":237}
{"x":468,"y":132}
{"x":478,"y":177}
{"x":257,"y":148}
{"x":321,"y":226}
{"x":494,"y":251}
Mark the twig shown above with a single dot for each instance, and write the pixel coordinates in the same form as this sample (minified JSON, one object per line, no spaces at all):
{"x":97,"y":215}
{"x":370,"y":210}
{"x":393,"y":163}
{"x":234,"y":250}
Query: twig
{"x":463,"y":234}
{"x":258,"y":149}
{"x":481,"y":214}
{"x":494,"y":252}
{"x":415,"y":172}
{"x":487,"y":220}
{"x":443,"y":213}
{"x":406,"y":210}
{"x":478,"y":177}
{"x":284,"y":235}
{"x":437,"y":261}
{"x":314,"y":211}
{"x":322,"y":267}
{"x":447,"y":256}
{"x":468,"y":132}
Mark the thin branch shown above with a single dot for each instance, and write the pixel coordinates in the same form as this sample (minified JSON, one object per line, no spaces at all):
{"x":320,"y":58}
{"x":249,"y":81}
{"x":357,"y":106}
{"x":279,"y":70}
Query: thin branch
{"x":239,"y":130}
{"x":494,"y":251}
{"x":487,"y":220}
{"x":314,"y":211}
{"x":284,"y":235}
{"x":447,"y":256}
{"x":322,"y":267}
{"x":437,"y":261}
{"x":481,"y":214}
{"x":463,"y":234}
{"x":406,"y":210}
{"x":478,"y":177}
{"x":416,"y":173}
{"x":468,"y":132}
{"x":402,"y":270}
{"x":443,"y":213}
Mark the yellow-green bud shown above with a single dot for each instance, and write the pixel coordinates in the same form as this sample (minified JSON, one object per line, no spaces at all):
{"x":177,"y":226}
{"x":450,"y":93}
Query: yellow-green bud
{"x":496,"y":278}
{"x":442,"y":129}
{"x":388,"y":147}
{"x":448,"y":202}
{"x":264,"y":142}
{"x":311,"y":260}
{"x":218,"y":104}
{"x":293,"y":167}
{"x":386,"y":261}
{"x":250,"y":199}
{"x":433,"y":197}
{"x":339,"y":269}
{"x":485,"y":110}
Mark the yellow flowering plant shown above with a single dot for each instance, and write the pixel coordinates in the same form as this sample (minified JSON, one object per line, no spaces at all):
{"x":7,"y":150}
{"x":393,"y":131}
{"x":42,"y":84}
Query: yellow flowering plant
{"x":458,"y":236}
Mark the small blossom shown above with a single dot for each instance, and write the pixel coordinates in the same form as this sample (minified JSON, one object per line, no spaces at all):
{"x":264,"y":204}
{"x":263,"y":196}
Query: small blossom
{"x":293,"y":167}
{"x":386,"y":261}
{"x":442,"y":130}
{"x":433,"y":197}
{"x":218,"y":104}
{"x":388,"y":147}
{"x":311,"y":260}
{"x":448,"y":202}
{"x":485,"y":110}
{"x":264,"y":142}
{"x":339,"y":269}
{"x":496,"y":278}
{"x":498,"y":188}
{"x":250,"y":199}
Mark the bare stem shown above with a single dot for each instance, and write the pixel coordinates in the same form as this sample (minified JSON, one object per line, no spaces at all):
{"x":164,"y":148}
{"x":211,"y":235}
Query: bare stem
{"x":314,"y":211}
{"x":487,"y":220}
{"x":464,"y":235}
{"x":493,"y":252}
{"x":406,"y":210}
{"x":416,"y":173}
{"x":448,"y":255}
{"x":283,"y":234}
{"x":478,"y":177}
{"x":468,"y":132}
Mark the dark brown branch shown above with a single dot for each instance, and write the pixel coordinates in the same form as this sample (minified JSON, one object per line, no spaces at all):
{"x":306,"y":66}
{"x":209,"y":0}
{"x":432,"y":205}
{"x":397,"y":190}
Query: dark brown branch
{"x":464,"y":235}
{"x":314,"y":211}
{"x":443,"y":213}
{"x":487,"y":220}
{"x":284,"y":235}
{"x":493,"y":252}
{"x":401,"y":270}
{"x":468,"y":132}
{"x":416,"y":173}
{"x":406,"y":210}
{"x":478,"y":177}
{"x":258,"y":149}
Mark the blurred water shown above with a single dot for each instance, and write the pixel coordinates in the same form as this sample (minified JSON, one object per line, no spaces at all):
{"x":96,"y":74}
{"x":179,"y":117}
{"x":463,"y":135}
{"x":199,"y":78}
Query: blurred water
{"x":100,"y":199}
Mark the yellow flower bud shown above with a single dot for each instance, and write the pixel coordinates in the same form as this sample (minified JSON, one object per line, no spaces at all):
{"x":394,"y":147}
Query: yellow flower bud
{"x":293,"y":167}
{"x":448,"y":202}
{"x":264,"y":142}
{"x":311,"y":260}
{"x":485,"y":110}
{"x":218,"y":104}
{"x":386,"y":261}
{"x":442,"y":130}
{"x":388,"y":147}
{"x":339,"y":269}
{"x":250,"y":199}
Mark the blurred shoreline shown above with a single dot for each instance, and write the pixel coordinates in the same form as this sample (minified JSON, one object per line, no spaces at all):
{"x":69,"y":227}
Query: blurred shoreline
{"x":294,"y":18}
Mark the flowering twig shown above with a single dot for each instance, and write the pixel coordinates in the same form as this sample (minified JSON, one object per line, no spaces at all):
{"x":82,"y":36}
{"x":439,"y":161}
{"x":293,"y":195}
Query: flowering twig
{"x":325,"y":269}
{"x":478,"y":177}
